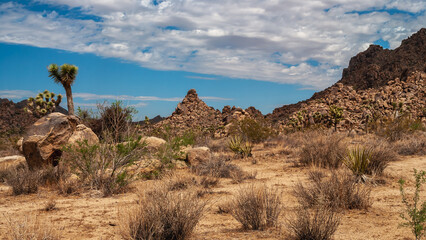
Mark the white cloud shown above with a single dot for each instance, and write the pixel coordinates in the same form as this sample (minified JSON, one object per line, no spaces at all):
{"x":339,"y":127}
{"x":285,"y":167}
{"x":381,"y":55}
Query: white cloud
{"x":261,"y":40}
{"x":16,"y":94}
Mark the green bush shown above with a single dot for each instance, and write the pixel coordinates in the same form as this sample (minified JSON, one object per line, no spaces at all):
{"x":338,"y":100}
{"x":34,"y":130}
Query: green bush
{"x":252,"y":130}
{"x":106,"y":167}
{"x":415,"y":214}
{"x":358,"y":161}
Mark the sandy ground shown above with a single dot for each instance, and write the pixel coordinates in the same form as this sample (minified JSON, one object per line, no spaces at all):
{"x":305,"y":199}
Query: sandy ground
{"x":89,"y":217}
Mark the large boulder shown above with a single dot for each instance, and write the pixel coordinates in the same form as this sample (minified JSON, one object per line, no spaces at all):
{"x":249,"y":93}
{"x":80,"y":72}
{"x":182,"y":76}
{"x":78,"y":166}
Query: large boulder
{"x":153,"y":142}
{"x":44,"y":140}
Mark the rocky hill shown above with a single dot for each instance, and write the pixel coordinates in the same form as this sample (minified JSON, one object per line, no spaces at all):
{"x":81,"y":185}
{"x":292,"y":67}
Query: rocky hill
{"x":13,"y":118}
{"x":377,"y":81}
{"x":193,"y":113}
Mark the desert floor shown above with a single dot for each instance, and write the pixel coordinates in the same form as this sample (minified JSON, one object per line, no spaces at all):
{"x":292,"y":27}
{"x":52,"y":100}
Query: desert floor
{"x":87,"y":216}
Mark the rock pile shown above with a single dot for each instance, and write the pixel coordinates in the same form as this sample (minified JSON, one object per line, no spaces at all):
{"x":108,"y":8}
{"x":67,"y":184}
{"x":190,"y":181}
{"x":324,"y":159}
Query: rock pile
{"x":193,"y":113}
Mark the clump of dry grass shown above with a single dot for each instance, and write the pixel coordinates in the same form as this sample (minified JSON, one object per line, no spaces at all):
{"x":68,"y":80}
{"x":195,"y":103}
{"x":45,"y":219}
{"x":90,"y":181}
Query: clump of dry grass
{"x":322,"y":150}
{"x":257,"y":208}
{"x":162,"y":214}
{"x":50,"y":205}
{"x":411,"y":144}
{"x":317,"y":224}
{"x":22,"y":180}
{"x":340,"y":191}
{"x":29,"y":228}
{"x":220,"y":168}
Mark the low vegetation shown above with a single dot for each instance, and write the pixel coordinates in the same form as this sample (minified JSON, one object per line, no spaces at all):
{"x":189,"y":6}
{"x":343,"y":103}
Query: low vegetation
{"x":257,"y":207}
{"x":29,"y":228}
{"x":317,"y":224}
{"x":162,"y":214}
{"x":414,"y":214}
{"x":322,"y":150}
{"x":339,"y":191}
{"x":106,"y":167}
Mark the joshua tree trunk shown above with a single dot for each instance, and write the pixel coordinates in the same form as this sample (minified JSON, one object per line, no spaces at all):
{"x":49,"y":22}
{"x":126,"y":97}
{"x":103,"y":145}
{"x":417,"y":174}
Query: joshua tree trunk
{"x":69,"y":100}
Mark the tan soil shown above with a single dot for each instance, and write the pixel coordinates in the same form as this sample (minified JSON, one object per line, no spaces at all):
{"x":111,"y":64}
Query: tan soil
{"x":90,"y":217}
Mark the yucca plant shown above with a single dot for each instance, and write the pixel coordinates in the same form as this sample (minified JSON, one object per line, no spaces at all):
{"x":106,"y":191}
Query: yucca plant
{"x":358,"y":160}
{"x":235,"y":144}
{"x":245,"y":149}
{"x":239,"y":147}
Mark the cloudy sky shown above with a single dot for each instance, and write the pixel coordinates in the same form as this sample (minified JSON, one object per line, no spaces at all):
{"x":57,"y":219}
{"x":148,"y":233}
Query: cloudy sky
{"x":150,"y":52}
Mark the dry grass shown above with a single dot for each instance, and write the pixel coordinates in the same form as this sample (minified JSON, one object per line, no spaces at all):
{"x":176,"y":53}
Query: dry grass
{"x":317,"y":224}
{"x":29,"y":228}
{"x":162,"y":214}
{"x":50,"y":205}
{"x":256,"y":208}
{"x":382,"y":153}
{"x":411,"y":144}
{"x":216,"y":167}
{"x":340,"y":191}
{"x":22,"y":180}
{"x":322,"y":150}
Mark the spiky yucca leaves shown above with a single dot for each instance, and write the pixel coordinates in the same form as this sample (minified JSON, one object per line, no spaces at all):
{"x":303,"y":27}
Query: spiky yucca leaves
{"x":239,"y":147}
{"x":43,"y":103}
{"x":65,"y":75}
{"x":358,"y":161}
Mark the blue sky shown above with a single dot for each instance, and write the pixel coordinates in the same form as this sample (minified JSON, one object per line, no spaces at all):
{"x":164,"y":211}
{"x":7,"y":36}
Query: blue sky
{"x":150,"y":53}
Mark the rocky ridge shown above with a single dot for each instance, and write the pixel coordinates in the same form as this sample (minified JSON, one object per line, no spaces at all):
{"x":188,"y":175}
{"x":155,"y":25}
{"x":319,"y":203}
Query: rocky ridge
{"x":377,"y":81}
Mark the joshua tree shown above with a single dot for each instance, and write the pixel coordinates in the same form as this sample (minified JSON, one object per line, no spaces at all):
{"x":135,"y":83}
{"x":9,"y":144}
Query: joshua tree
{"x":336,"y":114}
{"x":65,"y":75}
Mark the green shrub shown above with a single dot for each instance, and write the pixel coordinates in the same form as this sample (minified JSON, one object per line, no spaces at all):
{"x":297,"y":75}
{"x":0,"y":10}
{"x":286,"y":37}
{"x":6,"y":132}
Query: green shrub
{"x":106,"y":167}
{"x":116,"y":120}
{"x":415,"y":214}
{"x":257,"y":208}
{"x":358,"y":160}
{"x":252,"y":130}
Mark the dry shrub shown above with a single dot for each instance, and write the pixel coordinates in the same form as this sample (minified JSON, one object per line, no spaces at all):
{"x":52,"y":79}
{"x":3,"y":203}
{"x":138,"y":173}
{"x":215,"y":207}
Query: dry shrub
{"x":381,"y":154}
{"x":322,"y":150}
{"x":216,"y":167}
{"x":208,"y":182}
{"x":29,"y":228}
{"x":340,"y":191}
{"x":23,"y":180}
{"x":317,"y":224}
{"x":162,"y":214}
{"x":257,"y":208}
{"x":411,"y":144}
{"x":50,"y":205}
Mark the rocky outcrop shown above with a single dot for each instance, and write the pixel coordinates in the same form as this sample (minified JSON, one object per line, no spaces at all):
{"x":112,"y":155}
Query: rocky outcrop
{"x":193,"y":113}
{"x":13,"y":118}
{"x":44,"y":140}
{"x":377,"y":81}
{"x":376,"y":66}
